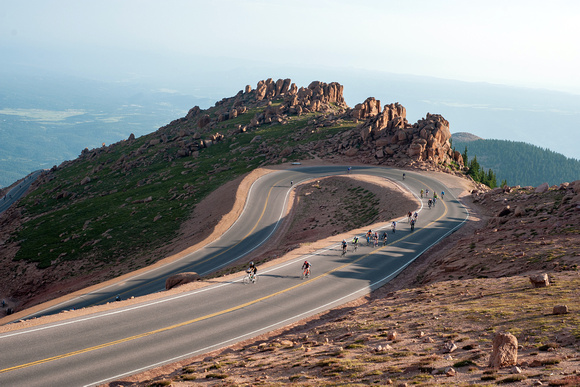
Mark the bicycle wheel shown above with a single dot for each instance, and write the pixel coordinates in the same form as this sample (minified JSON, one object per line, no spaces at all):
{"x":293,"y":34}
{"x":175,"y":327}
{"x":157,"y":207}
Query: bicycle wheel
{"x":246,"y":279}
{"x":255,"y":279}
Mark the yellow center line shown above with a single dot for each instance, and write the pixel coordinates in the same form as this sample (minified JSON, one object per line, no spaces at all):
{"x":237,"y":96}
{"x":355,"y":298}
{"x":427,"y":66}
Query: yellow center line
{"x":251,"y":231}
{"x":189,"y":322}
{"x":238,"y":307}
{"x":225,"y":251}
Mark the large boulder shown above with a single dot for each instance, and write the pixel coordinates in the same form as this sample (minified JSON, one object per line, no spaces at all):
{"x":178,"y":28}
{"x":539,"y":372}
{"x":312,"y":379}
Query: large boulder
{"x":504,"y":352}
{"x":181,"y":279}
{"x":203,"y":121}
{"x":542,"y":188}
{"x":540,"y":280}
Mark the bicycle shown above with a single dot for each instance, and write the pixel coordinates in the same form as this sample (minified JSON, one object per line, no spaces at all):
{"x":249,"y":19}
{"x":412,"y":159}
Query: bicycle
{"x":250,"y":277}
{"x":305,"y":273}
{"x":355,"y":248}
{"x":343,"y":251}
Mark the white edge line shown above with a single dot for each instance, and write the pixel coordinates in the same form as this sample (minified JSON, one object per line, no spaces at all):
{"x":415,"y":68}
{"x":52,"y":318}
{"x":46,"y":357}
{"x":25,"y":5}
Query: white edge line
{"x":171,"y":298}
{"x":283,"y":322}
{"x":162,"y":266}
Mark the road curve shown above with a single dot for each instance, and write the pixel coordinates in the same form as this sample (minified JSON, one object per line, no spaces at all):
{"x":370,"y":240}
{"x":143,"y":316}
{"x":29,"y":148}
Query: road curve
{"x":17,"y":191}
{"x":105,"y":346}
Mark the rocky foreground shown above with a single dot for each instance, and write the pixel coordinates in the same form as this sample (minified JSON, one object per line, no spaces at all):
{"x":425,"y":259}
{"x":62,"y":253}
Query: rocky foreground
{"x":496,"y":303}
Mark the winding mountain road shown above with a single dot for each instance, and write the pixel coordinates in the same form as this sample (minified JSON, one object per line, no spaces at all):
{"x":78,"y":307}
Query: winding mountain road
{"x":97,"y":348}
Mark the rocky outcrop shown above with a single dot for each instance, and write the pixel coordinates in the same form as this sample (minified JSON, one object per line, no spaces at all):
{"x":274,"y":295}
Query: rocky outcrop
{"x":368,"y":109}
{"x":389,"y":133}
{"x":378,"y":135}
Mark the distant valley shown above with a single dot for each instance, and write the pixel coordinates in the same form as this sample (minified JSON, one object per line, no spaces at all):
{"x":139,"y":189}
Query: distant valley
{"x":46,"y":120}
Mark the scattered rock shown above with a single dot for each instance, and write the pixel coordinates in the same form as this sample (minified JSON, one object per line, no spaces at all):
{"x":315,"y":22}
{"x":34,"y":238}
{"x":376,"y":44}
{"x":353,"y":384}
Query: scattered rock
{"x":540,"y":280}
{"x":505,"y":212}
{"x":449,"y":347}
{"x":542,"y":188}
{"x":450,"y":371}
{"x":560,"y":309}
{"x":504,"y":351}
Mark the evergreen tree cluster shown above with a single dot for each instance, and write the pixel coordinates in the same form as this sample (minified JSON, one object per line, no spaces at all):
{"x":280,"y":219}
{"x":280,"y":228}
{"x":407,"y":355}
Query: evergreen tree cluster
{"x":477,"y":172}
{"x":517,"y":163}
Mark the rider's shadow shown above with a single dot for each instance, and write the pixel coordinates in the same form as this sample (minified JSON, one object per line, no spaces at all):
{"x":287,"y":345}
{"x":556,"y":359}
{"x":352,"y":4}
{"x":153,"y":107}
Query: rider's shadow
{"x":279,"y":276}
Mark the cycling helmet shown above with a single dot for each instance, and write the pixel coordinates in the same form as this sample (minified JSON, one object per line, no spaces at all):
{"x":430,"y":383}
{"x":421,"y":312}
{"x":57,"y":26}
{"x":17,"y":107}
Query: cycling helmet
{"x":252,"y":263}
{"x":305,"y":262}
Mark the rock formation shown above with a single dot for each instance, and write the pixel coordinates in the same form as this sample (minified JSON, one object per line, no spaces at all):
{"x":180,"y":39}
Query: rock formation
{"x":382,"y":134}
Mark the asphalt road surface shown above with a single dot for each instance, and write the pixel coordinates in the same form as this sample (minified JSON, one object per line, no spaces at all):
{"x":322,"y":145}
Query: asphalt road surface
{"x":17,"y":191}
{"x":105,"y":346}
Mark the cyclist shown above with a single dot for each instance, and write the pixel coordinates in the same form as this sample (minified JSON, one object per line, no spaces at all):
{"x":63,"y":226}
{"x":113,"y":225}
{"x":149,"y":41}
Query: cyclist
{"x":426,"y":192}
{"x":409,"y":215}
{"x":434,"y":201}
{"x":413,"y":225}
{"x":355,"y":242}
{"x":291,"y":183}
{"x":384,"y":238}
{"x":306,"y":269}
{"x":422,"y":192}
{"x":252,"y":270}
{"x":394,"y":226}
{"x":369,"y":233}
{"x":344,"y":244}
{"x":430,"y":203}
{"x":442,"y":194}
{"x":403,"y":176}
{"x":376,"y":239}
{"x":415,"y":216}
{"x":348,"y":170}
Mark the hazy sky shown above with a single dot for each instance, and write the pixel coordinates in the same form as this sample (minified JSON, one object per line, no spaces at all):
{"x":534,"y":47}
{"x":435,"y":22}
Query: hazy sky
{"x":522,"y":43}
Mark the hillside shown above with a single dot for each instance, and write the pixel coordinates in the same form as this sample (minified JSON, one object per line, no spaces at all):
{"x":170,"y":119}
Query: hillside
{"x":459,"y":293}
{"x":445,"y":308}
{"x":120,"y":207}
{"x":519,"y":163}
{"x":433,"y":324}
{"x":463,"y":137}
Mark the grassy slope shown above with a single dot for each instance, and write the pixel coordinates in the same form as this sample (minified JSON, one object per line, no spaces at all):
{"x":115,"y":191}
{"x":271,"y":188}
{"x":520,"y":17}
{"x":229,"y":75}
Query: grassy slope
{"x":100,"y":223}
